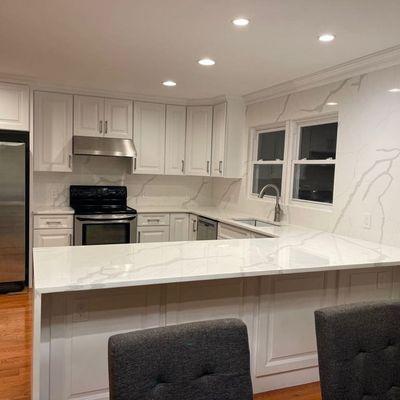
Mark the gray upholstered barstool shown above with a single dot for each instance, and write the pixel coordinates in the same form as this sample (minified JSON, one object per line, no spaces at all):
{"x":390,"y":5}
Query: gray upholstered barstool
{"x":197,"y":361}
{"x":359,"y":351}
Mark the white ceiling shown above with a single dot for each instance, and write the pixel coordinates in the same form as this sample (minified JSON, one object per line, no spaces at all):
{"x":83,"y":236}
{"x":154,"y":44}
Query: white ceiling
{"x":133,"y":45}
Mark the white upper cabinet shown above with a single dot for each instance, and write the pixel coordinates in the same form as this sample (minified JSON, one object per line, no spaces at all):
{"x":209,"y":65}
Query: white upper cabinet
{"x":175,"y":140}
{"x":227,"y":142}
{"x":96,"y":116}
{"x":88,"y":116}
{"x":198,"y":140}
{"x":218,"y":140}
{"x":118,"y":119}
{"x":14,"y":107}
{"x":52,"y":135}
{"x":149,"y":138}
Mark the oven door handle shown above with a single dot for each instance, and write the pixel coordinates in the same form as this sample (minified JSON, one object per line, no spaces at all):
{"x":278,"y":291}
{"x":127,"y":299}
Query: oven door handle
{"x":108,"y":220}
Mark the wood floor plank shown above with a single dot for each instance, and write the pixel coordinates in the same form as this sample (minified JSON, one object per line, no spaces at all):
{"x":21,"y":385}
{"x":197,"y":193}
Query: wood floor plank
{"x":16,"y":346}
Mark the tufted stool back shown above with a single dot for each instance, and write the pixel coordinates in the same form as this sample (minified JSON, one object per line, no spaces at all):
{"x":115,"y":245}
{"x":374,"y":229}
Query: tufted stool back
{"x":197,"y":361}
{"x":359,"y":351}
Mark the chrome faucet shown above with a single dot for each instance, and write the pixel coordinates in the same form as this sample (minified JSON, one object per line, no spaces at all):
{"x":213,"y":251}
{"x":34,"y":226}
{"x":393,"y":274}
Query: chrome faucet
{"x":278,"y":210}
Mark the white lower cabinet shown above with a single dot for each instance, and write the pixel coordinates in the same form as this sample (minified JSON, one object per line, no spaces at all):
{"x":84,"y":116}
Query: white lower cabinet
{"x":52,"y":230}
{"x":179,"y":227}
{"x":151,"y":234}
{"x":230,"y":232}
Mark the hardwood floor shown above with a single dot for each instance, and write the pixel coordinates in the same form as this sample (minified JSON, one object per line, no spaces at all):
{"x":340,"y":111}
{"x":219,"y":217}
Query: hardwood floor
{"x":15,"y":354}
{"x":15,"y":346}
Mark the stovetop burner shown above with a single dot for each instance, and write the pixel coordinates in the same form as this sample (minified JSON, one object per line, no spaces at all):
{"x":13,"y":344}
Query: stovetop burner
{"x":87,"y":200}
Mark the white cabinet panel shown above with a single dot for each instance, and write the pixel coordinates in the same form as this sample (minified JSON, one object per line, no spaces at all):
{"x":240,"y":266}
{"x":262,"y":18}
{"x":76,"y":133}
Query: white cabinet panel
{"x":153,"y":219}
{"x":198,"y":140}
{"x":218,"y":139}
{"x":52,"y":237}
{"x":52,"y":132}
{"x":14,"y":107}
{"x":175,"y":140}
{"x":53,"y":221}
{"x":192,"y":227}
{"x":231,"y":232}
{"x":118,"y":119}
{"x":151,"y":234}
{"x":179,"y":227}
{"x":149,"y":138}
{"x":88,"y":116}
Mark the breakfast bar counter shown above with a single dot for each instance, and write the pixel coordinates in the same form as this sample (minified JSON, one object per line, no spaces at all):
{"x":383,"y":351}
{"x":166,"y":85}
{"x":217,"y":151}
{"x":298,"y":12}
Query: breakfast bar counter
{"x":84,"y":294}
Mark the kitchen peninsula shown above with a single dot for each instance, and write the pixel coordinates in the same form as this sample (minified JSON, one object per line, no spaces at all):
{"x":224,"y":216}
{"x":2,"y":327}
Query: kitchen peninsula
{"x":84,"y":294}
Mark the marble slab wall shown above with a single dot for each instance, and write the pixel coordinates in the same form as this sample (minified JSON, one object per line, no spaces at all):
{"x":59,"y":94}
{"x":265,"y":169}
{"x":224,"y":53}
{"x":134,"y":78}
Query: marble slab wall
{"x":52,"y":189}
{"x":367,"y":180}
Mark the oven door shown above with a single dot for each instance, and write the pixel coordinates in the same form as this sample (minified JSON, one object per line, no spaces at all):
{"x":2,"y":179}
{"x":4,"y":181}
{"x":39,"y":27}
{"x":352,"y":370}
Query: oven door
{"x":104,"y":229}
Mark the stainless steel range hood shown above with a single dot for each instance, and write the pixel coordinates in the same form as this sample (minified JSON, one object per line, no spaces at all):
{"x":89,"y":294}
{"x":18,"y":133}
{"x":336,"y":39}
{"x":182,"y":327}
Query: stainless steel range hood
{"x":98,"y":146}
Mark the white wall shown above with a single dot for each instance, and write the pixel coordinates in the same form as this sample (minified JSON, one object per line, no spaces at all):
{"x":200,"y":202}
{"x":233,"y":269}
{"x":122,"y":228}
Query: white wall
{"x":52,"y":189}
{"x":368,"y":156}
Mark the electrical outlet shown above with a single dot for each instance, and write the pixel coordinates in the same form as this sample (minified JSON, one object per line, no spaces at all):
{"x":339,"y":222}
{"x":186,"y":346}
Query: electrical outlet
{"x":81,"y":313}
{"x":367,"y":221}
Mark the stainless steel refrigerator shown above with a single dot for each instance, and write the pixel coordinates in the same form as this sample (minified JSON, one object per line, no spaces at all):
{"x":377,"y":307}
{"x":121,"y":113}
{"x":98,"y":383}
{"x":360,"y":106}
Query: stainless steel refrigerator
{"x":14,"y":210}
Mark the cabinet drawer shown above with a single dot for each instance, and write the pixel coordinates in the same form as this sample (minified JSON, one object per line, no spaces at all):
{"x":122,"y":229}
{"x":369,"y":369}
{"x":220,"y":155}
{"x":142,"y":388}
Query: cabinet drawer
{"x":153,"y":219}
{"x":53,"y":222}
{"x":230,"y":232}
{"x":52,"y":237}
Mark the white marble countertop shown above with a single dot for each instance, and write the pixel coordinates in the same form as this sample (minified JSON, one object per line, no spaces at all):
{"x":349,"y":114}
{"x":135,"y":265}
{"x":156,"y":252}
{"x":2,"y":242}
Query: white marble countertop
{"x":294,"y":249}
{"x":48,"y":210}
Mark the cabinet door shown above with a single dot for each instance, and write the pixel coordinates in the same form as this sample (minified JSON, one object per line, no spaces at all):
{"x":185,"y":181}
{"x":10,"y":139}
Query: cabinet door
{"x":175,"y":140}
{"x":52,"y":132}
{"x":192,"y":227}
{"x":118,"y":119}
{"x":88,"y":116}
{"x":52,"y":237}
{"x":231,"y":232}
{"x":179,"y":227}
{"x":198,"y":140}
{"x":218,"y":139}
{"x":151,"y":234}
{"x":14,"y":107}
{"x":149,"y":138}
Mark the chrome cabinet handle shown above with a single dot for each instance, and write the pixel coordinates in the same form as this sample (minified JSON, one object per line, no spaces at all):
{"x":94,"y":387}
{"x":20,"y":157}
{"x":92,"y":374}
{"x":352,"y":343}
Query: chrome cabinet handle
{"x":183,"y":166}
{"x":70,"y":239}
{"x":208,"y":167}
{"x":53,"y":222}
{"x":100,"y":126}
{"x":194,"y":225}
{"x":138,"y":237}
{"x":220,"y":167}
{"x":153,"y":220}
{"x":134,"y":164}
{"x":105,"y":127}
{"x":70,"y":161}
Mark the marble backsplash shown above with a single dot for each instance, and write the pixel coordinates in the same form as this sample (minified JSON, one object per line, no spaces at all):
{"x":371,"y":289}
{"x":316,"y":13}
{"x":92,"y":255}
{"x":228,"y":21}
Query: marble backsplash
{"x":367,"y":177}
{"x":52,"y":189}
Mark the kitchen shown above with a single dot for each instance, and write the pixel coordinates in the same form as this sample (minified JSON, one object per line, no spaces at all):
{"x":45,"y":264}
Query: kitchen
{"x":155,"y":205}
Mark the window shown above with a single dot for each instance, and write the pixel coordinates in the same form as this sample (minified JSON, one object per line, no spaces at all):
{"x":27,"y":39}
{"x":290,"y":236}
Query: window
{"x":268,"y":160}
{"x":314,"y":166}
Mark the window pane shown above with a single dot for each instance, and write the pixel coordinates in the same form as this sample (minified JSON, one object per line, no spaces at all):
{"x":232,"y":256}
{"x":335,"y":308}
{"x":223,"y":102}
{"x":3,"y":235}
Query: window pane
{"x":264,"y":174}
{"x":271,"y":146}
{"x":318,"y":142}
{"x":314,"y":182}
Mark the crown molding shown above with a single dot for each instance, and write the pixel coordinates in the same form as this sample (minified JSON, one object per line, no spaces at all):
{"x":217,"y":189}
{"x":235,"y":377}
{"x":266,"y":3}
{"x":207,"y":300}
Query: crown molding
{"x":369,"y":63}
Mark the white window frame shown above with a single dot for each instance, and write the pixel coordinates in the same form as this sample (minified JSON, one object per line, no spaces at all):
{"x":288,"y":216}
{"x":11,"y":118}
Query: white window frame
{"x":296,"y":133}
{"x":254,"y":138}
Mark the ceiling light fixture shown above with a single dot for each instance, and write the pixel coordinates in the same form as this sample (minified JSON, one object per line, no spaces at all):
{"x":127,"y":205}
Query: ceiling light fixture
{"x":326,"y":37}
{"x":394,"y":90}
{"x":240,"y":21}
{"x":206,"y":62}
{"x":332,"y":103}
{"x":169,"y":83}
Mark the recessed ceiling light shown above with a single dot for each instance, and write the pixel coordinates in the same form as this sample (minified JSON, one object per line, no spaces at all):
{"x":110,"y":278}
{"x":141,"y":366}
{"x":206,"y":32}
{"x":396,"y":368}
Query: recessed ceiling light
{"x":332,"y":103}
{"x":241,"y":21}
{"x":326,"y":37}
{"x":169,"y":83}
{"x":206,"y":61}
{"x":394,"y":90}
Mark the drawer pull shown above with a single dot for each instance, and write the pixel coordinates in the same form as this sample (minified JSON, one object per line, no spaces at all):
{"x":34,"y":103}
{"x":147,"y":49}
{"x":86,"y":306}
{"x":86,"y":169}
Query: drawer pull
{"x":153,"y":220}
{"x":53,"y":222}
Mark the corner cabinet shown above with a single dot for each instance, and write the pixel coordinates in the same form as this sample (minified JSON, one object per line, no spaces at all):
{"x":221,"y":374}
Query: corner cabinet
{"x":227,"y":142}
{"x":198,"y":140}
{"x":175,"y":140}
{"x":97,"y":116}
{"x":52,"y":136}
{"x":149,"y":138}
{"x":14,"y":107}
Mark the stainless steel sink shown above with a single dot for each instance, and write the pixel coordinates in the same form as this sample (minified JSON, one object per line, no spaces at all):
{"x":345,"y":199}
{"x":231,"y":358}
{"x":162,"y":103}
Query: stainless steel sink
{"x":254,"y":222}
